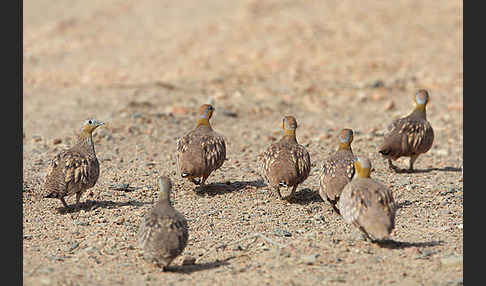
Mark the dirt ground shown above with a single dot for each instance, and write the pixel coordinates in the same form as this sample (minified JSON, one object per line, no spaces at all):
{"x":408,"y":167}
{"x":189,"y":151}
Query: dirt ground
{"x":144,"y":67}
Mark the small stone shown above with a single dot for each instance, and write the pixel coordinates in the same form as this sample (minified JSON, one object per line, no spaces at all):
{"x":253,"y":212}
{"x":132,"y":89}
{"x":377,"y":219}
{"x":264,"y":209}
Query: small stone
{"x":188,"y":260}
{"x":73,"y":246}
{"x":57,"y":141}
{"x":120,"y":220}
{"x":309,"y":259}
{"x":390,"y":105}
{"x":281,"y":232}
{"x":82,"y":223}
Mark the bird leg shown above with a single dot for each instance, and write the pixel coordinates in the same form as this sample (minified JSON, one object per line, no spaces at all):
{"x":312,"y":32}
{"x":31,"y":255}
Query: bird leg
{"x":291,"y":195}
{"x":365,"y":234}
{"x":395,"y":168}
{"x":278,"y":192}
{"x":391,"y":166}
{"x":204,"y":178}
{"x":195,"y":181}
{"x":333,"y":204}
{"x":63,"y":202}
{"x":78,"y":197}
{"x":412,"y":160}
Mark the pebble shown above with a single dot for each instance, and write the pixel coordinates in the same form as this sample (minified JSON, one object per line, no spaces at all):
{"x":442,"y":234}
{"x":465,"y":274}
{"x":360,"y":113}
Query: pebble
{"x":82,"y":223}
{"x":120,"y":220}
{"x":281,"y":232}
{"x":390,"y":105}
{"x":309,"y":259}
{"x":73,"y":246}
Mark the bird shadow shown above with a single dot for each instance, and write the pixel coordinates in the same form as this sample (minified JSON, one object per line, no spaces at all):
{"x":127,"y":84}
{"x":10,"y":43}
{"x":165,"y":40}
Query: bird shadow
{"x":188,"y":269}
{"x":214,"y":189}
{"x":90,"y":205}
{"x":395,"y":244}
{"x":445,"y":169}
{"x":405,"y":203}
{"x":305,"y":197}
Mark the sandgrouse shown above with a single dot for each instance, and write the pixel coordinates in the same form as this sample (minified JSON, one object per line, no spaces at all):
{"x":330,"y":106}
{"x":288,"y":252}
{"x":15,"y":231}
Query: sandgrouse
{"x":76,"y":169}
{"x":337,"y":170}
{"x":285,"y":163}
{"x":368,"y":204}
{"x":202,"y":150}
{"x":163,"y":231}
{"x":409,"y":136}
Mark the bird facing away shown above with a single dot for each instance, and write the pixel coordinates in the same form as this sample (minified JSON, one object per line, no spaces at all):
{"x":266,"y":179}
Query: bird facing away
{"x":337,"y":170}
{"x":163,"y":231}
{"x":285,"y":163}
{"x":75,"y":170}
{"x":367,"y":203}
{"x":409,"y":136}
{"x":202,"y":150}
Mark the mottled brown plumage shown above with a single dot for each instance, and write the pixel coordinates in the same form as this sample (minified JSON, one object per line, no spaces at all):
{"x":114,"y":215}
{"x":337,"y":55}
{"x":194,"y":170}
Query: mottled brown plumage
{"x":367,"y":203}
{"x":163,"y":231}
{"x":202,"y":150}
{"x":285,"y":163}
{"x":337,"y":170}
{"x":76,"y":169}
{"x":409,"y":136}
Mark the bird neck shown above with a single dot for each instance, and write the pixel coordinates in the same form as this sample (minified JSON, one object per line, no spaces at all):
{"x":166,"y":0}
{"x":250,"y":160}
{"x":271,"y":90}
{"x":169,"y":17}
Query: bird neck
{"x":289,"y":136}
{"x":364,"y":173}
{"x":344,"y":146}
{"x":164,"y":201}
{"x":419,"y":111}
{"x":203,"y":122}
{"x":85,"y":140}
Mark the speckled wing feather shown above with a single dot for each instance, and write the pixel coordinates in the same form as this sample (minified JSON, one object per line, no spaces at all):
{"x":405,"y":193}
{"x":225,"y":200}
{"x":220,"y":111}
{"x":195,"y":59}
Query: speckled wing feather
{"x":69,"y":172}
{"x":283,"y":162}
{"x":369,"y":205}
{"x":163,"y":234}
{"x":336,"y":171}
{"x":201,"y":151}
{"x":407,"y":136}
{"x":302,"y":161}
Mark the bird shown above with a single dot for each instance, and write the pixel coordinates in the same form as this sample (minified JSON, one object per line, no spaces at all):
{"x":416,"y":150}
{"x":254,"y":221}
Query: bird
{"x":75,"y":170}
{"x":285,"y":163}
{"x":409,"y":136}
{"x":337,"y":170}
{"x":202,"y":150}
{"x":367,"y":203}
{"x":163,"y":231}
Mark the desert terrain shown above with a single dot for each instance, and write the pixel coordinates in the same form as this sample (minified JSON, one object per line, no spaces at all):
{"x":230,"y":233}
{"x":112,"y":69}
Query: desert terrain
{"x":145,"y":67}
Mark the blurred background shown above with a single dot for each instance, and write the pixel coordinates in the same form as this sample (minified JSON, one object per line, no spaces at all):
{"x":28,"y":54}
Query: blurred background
{"x":92,"y":58}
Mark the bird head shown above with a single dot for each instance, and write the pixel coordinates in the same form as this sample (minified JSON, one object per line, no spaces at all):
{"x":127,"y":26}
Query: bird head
{"x":90,"y":125}
{"x":421,"y":99}
{"x":289,"y":125}
{"x":205,"y":113}
{"x":345,"y":138}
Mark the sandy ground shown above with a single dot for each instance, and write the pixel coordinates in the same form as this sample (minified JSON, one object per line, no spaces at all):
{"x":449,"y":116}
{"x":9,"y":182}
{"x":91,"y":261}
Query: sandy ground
{"x":144,"y":67}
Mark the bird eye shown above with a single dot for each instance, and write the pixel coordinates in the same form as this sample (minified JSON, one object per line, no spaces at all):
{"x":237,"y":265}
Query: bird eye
{"x":90,"y":122}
